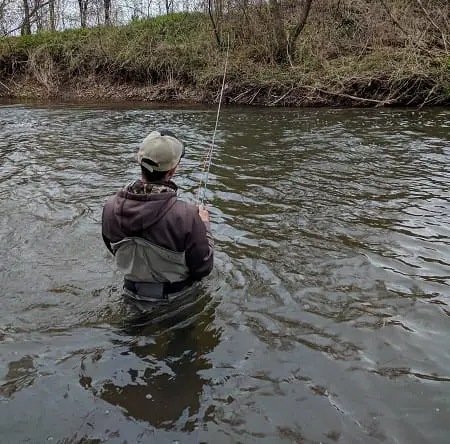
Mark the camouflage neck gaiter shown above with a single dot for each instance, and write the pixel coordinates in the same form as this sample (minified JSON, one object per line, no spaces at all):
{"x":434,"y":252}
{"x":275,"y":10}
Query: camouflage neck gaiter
{"x":140,"y":187}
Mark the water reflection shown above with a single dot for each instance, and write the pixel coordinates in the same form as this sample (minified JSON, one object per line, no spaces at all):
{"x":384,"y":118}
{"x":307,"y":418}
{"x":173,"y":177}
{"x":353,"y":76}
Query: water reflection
{"x":21,"y":374}
{"x":157,"y":378}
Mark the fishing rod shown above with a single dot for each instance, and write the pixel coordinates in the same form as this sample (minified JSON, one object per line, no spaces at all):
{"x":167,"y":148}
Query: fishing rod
{"x":208,"y":155}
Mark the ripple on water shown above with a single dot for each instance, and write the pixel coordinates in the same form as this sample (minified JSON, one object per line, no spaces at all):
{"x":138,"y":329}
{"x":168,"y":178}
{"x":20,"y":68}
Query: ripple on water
{"x":325,"y":319}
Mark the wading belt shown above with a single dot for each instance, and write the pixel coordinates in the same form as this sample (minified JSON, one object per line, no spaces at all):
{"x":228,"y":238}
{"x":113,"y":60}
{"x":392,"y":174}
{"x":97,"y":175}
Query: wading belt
{"x":154,"y":290}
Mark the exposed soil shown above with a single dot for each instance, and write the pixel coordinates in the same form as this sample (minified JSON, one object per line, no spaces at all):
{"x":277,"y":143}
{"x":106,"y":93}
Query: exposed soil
{"x":376,"y":92}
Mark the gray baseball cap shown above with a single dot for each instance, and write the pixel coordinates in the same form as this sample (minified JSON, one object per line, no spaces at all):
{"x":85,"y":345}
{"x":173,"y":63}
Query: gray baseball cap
{"x":160,"y":151}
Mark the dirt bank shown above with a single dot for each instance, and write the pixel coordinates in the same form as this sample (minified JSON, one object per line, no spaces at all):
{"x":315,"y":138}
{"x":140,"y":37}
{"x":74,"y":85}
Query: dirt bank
{"x":419,"y":91}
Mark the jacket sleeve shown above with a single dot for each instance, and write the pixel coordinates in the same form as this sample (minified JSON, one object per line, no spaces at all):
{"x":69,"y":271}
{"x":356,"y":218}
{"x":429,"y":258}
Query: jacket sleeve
{"x":104,"y":235}
{"x":108,"y":244}
{"x":199,"y":248}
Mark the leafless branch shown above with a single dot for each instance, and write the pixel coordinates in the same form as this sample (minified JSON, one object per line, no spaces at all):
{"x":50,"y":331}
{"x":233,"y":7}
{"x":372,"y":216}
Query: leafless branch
{"x":394,"y":20}
{"x":430,"y":19}
{"x":214,"y":23}
{"x":32,"y":14}
{"x":4,"y":86}
{"x":348,"y":96}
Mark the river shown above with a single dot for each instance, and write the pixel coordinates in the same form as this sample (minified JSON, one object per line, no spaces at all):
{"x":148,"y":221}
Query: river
{"x":326,"y":318}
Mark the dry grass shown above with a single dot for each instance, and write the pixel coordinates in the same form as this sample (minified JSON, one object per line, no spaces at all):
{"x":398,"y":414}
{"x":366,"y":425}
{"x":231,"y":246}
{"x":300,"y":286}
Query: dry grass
{"x":352,"y":52}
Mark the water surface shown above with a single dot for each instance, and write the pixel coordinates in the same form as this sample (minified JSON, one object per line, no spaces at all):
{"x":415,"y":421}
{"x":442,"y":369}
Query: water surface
{"x":326,"y":318}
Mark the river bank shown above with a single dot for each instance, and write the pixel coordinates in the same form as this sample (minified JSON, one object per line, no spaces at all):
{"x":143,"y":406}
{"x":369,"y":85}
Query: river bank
{"x":151,"y":61}
{"x":413,"y":91}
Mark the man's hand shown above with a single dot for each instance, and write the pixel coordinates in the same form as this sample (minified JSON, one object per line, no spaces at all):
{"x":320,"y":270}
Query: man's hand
{"x":203,"y":212}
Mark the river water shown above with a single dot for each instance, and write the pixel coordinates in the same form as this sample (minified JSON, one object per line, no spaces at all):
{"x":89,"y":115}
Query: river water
{"x":326,"y":318}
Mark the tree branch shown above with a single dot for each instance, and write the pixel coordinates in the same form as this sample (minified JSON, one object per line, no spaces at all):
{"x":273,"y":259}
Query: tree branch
{"x":427,"y":15}
{"x":348,"y":96}
{"x":214,"y":24}
{"x":396,"y":23}
{"x":297,"y":30}
{"x":19,"y":27}
{"x":32,"y":13}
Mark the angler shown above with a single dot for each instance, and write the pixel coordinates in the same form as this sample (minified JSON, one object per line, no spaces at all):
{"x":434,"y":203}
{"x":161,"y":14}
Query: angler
{"x":161,"y":244}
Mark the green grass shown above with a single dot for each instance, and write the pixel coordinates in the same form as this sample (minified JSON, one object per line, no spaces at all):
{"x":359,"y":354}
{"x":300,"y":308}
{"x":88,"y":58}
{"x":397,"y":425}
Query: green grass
{"x":181,"y":49}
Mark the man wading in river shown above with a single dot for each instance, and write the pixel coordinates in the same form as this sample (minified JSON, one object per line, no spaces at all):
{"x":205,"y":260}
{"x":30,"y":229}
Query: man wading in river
{"x":161,"y":244}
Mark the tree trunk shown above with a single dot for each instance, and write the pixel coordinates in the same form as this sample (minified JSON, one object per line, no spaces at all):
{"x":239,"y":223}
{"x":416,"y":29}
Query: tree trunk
{"x":214,"y":23}
{"x":83,"y":4}
{"x":51,"y":7}
{"x":107,"y":6}
{"x":26,"y":25}
{"x":297,"y":30}
{"x":279,"y":52}
{"x":169,"y":6}
{"x":219,"y":9}
{"x":38,"y":20}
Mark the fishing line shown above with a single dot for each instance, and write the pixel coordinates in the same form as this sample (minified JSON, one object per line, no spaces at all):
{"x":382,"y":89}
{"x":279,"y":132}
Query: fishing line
{"x":208,"y":156}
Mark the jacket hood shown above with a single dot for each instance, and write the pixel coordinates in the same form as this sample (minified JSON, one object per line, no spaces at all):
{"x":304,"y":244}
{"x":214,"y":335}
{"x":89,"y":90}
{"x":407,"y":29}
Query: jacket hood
{"x":139,"y":206}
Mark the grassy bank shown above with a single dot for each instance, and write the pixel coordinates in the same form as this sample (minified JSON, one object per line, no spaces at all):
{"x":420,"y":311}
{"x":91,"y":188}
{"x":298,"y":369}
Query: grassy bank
{"x":342,"y":57}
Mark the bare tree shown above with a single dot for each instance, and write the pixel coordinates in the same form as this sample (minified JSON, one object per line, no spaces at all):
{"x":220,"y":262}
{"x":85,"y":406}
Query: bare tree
{"x":298,"y":28}
{"x":284,"y":48}
{"x":52,"y":15}
{"x":4,"y":4}
{"x":280,"y":50}
{"x":40,"y":15}
{"x":83,"y":6}
{"x":107,"y":7}
{"x":214,"y":17}
{"x":26,"y":24}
